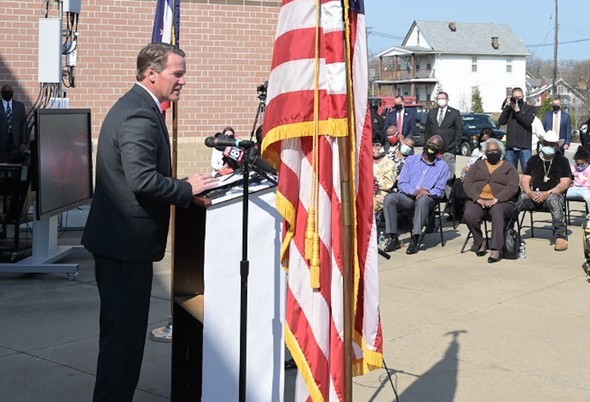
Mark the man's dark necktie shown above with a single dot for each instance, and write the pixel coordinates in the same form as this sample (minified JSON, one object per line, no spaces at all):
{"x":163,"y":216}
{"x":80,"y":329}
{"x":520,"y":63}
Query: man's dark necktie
{"x":9,"y":117}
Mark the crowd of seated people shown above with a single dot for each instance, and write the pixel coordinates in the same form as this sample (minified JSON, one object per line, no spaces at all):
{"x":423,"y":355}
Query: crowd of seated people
{"x":489,"y":187}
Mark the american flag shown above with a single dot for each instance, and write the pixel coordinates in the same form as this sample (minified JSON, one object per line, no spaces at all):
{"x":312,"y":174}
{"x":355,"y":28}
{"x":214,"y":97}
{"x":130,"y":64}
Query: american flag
{"x":166,"y":27}
{"x":166,"y":22}
{"x":317,"y":131}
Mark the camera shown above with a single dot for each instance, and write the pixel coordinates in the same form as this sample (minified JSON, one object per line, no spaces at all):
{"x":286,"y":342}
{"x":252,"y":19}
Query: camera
{"x":375,"y":103}
{"x":512,"y":99}
{"x":262,"y":88}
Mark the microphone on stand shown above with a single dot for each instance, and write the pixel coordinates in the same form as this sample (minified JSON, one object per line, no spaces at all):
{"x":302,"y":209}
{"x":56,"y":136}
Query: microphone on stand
{"x":215,"y":142}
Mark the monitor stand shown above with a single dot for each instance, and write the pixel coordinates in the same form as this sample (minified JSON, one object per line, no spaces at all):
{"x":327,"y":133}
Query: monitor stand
{"x":46,"y":252}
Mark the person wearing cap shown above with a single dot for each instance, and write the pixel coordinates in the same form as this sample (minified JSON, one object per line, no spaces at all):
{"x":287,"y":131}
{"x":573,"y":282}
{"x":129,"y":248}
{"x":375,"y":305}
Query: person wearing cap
{"x":420,"y":184}
{"x":544,"y":182}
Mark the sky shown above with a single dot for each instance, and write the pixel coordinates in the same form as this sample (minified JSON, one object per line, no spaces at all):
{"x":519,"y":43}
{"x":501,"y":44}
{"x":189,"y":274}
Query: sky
{"x":533,"y":21}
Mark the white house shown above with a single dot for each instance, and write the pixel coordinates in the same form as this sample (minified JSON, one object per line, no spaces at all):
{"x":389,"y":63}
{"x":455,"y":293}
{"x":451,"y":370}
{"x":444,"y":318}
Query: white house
{"x":457,"y":58}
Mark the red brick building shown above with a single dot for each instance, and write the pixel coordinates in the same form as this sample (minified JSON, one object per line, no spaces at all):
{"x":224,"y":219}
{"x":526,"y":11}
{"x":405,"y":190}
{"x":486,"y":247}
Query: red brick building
{"x":228,"y":45}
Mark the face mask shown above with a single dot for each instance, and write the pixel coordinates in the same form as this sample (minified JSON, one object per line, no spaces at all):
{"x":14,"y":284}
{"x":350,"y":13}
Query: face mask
{"x":441,"y":102}
{"x":548,"y":151}
{"x":405,"y":150}
{"x":520,"y":103}
{"x":493,"y":157}
{"x":7,"y":95}
{"x":431,"y":150}
{"x":378,"y":152}
{"x":393,"y":139}
{"x":556,"y":108}
{"x":399,"y":107}
{"x":581,"y":168}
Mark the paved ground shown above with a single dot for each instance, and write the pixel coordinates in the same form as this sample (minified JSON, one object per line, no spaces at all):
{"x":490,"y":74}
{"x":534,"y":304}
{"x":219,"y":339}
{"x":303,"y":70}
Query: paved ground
{"x":456,"y":328}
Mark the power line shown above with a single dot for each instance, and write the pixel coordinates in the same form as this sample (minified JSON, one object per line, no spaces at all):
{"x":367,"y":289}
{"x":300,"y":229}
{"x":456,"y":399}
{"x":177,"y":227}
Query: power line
{"x":560,"y":43}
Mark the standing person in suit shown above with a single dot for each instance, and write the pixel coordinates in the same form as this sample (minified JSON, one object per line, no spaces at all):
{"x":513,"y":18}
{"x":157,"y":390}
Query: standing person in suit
{"x":13,"y":128}
{"x":559,"y":121}
{"x":446,"y":122}
{"x":518,"y":118}
{"x":402,"y":118}
{"x":128,"y":222}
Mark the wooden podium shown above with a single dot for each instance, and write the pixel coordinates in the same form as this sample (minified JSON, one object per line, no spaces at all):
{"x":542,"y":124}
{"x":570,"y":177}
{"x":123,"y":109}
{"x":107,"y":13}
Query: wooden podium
{"x":206,"y":299}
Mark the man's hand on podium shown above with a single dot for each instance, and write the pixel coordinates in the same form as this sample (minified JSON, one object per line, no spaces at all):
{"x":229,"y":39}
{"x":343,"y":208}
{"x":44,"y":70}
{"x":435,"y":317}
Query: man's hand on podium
{"x":201,"y":182}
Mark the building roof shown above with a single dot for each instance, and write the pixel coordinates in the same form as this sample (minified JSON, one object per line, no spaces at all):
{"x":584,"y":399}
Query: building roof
{"x":462,"y":38}
{"x":560,"y":82}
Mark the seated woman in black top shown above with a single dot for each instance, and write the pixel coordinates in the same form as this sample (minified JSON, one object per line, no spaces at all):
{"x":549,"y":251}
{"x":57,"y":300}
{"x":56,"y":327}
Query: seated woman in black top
{"x":491,"y":185}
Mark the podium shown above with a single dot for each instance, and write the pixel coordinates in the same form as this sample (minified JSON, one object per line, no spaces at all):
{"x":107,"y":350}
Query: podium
{"x":206,"y":299}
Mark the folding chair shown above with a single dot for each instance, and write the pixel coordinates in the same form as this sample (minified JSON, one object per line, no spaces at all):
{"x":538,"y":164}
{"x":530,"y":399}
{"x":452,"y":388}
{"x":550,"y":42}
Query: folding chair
{"x":538,"y":209}
{"x":436,"y":214}
{"x":568,"y":209}
{"x":486,"y":218}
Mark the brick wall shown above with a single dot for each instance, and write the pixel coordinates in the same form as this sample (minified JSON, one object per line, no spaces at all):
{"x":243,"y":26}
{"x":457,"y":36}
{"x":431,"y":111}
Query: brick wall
{"x":228,"y":45}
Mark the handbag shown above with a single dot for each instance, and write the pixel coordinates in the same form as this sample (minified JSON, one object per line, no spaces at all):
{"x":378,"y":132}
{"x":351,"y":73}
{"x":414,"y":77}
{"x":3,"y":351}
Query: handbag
{"x":511,"y":248}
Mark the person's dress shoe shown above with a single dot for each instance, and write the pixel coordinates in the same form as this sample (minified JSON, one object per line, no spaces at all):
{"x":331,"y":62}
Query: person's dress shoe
{"x":480,"y":251}
{"x":492,"y":260}
{"x":414,"y":245}
{"x":391,"y":244}
{"x":560,"y":244}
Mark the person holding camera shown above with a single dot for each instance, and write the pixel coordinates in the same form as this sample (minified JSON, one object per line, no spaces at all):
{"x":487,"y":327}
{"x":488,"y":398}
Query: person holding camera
{"x":518,"y":118}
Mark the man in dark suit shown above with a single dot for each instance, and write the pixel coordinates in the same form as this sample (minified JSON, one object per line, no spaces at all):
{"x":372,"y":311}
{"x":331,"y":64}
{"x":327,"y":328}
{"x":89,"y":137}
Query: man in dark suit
{"x":128,"y":222}
{"x":399,"y":114}
{"x":559,"y":121}
{"x":13,"y":128}
{"x":446,"y":122}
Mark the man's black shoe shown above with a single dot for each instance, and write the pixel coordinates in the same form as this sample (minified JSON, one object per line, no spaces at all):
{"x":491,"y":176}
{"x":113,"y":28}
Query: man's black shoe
{"x":391,"y":244}
{"x":414,"y":245}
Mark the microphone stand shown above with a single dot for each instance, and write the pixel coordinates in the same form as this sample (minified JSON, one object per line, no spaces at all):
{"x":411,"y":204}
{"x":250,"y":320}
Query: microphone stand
{"x":245,"y":264}
{"x":244,"y":271}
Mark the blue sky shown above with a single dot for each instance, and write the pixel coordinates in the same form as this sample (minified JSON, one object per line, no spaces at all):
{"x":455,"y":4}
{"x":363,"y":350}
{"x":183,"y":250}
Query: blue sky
{"x":533,"y":21}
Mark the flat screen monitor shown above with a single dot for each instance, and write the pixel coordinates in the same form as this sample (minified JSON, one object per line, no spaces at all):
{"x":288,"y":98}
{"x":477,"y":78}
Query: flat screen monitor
{"x":63,"y":160}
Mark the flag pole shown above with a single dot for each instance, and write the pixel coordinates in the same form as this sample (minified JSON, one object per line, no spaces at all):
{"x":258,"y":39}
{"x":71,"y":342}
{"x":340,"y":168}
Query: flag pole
{"x":346,"y":150}
{"x":164,"y":334}
{"x":348,"y":255}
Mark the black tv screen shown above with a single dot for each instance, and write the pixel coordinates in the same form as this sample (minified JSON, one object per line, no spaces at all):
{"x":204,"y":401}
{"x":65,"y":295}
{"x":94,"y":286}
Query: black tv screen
{"x":63,"y":160}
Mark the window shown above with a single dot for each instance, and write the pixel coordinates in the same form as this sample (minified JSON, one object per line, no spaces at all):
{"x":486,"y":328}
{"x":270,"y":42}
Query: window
{"x":474,"y":64}
{"x":509,"y":65}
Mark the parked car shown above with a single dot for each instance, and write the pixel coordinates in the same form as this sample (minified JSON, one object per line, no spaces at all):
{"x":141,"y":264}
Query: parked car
{"x":473,"y":123}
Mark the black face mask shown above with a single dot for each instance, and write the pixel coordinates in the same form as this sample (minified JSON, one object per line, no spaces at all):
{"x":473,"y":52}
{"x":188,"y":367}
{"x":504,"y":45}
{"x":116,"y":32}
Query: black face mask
{"x":431,"y":151}
{"x":556,"y":108}
{"x":520,"y":103}
{"x":7,"y":95}
{"x":493,"y":157}
{"x":399,"y":107}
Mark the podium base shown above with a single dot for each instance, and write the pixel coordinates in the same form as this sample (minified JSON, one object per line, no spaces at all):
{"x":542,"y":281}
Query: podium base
{"x":162,"y":334}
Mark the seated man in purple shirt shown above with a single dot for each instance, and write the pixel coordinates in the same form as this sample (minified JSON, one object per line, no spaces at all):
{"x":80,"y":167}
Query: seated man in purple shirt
{"x":421,"y":182}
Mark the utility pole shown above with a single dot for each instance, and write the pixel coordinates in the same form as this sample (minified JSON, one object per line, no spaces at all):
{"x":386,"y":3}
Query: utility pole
{"x":554,"y":88}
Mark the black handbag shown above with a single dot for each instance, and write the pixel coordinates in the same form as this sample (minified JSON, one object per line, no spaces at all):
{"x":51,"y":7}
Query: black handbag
{"x":511,"y":248}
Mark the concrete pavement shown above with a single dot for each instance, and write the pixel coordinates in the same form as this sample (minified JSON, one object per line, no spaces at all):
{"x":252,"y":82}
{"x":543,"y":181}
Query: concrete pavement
{"x":455,"y":328}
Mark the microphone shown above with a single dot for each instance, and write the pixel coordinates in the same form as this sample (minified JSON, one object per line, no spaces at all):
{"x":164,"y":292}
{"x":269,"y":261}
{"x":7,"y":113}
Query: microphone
{"x":261,"y":164}
{"x":234,"y":153}
{"x":213,"y":142}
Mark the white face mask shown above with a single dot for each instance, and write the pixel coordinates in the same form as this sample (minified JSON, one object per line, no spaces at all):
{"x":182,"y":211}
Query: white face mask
{"x":441,"y":102}
{"x":405,"y":150}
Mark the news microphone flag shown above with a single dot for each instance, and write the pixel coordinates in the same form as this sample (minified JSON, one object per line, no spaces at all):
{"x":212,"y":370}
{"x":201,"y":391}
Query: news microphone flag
{"x":317,"y":131}
{"x":166,"y":27}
